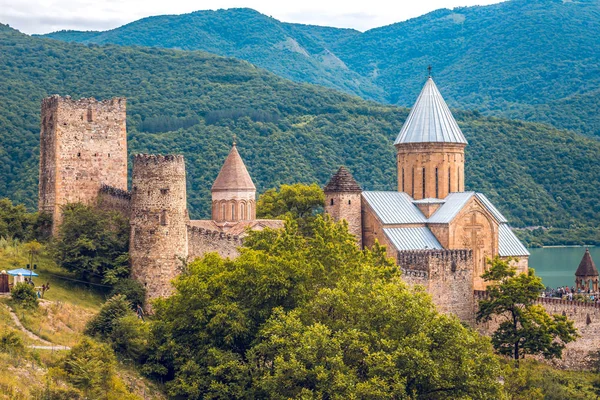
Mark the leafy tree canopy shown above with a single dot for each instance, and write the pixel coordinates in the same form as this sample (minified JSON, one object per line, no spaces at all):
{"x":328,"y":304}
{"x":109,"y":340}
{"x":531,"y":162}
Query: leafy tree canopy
{"x":312,"y":316}
{"x":527,"y":328}
{"x":93,"y":243}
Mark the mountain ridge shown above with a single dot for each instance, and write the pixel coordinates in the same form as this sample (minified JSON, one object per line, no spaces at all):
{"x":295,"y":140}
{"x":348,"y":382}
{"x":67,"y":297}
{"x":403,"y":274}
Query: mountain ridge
{"x":515,"y":58}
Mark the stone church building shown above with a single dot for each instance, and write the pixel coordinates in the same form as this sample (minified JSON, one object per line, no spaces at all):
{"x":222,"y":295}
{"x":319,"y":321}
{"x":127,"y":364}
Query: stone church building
{"x":438,"y":233}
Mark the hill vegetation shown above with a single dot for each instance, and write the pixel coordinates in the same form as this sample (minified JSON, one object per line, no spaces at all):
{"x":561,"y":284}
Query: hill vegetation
{"x":528,"y":59}
{"x":193,"y":103}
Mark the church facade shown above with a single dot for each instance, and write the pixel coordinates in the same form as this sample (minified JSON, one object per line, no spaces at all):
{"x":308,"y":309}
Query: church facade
{"x":438,"y":233}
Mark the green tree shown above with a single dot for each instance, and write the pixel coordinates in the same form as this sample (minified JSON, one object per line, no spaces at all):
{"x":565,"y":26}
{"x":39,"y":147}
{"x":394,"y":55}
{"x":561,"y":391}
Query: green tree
{"x":24,"y":294}
{"x":132,"y":289}
{"x":102,"y":324}
{"x":298,"y":201}
{"x":311,"y":316}
{"x":93,"y":243}
{"x":527,"y":328}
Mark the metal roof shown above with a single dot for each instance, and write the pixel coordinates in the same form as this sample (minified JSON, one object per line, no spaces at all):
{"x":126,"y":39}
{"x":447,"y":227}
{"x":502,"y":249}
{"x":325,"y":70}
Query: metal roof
{"x":429,"y":200}
{"x":491,"y":208}
{"x":508,"y":244}
{"x":430,"y":120}
{"x":394,"y":208}
{"x":412,"y":238}
{"x":454,"y":203}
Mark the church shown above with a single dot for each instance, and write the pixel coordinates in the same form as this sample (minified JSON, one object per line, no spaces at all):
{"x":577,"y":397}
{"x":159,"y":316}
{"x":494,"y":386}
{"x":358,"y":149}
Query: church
{"x":439,"y":234}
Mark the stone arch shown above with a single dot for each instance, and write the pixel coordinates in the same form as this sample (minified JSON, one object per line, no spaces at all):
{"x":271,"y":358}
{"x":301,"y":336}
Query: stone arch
{"x":243,"y":211}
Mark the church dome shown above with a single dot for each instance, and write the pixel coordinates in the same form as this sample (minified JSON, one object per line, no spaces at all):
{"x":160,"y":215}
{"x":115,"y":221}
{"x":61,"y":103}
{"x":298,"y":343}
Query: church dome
{"x":233,"y":174}
{"x":430,"y":120}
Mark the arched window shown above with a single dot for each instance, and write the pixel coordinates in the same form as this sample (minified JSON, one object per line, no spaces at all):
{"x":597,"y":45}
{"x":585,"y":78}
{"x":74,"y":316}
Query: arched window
{"x":242,"y":211}
{"x":412,"y":192}
{"x":449,"y":187}
{"x":458,"y":169}
{"x":223,"y":216}
{"x":233,"y":211}
{"x":403,"y":179}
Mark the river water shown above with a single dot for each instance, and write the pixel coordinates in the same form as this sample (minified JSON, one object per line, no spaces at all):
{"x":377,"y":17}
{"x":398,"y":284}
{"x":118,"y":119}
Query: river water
{"x":557,"y":265}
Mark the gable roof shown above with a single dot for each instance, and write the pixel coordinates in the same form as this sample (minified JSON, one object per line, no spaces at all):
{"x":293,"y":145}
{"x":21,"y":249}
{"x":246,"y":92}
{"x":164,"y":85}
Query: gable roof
{"x":418,"y":238}
{"x":509,"y":244}
{"x":430,"y":120}
{"x":233,"y":174}
{"x":342,"y":181}
{"x":586,"y":266}
{"x":455,"y":202}
{"x":394,"y":208}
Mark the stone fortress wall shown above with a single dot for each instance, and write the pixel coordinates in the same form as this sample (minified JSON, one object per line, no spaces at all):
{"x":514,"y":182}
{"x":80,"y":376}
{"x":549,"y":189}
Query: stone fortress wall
{"x":114,"y":199}
{"x":446,"y":274}
{"x":586,"y":318}
{"x":202,"y":241}
{"x":83,"y":144}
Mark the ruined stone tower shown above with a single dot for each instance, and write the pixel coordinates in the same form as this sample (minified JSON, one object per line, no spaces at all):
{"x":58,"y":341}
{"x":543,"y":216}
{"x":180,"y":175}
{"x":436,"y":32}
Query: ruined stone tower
{"x":159,"y":222}
{"x":233,"y":193}
{"x":430,"y":149}
{"x":343,"y":201}
{"x":83,"y":145}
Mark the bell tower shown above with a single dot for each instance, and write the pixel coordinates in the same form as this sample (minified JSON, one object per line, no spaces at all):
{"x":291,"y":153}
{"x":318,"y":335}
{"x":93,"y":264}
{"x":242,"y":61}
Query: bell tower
{"x":343,"y":201}
{"x":430,"y":149}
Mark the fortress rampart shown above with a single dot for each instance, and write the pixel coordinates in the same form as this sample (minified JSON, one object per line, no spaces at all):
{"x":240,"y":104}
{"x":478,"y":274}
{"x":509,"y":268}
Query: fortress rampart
{"x":202,"y":241}
{"x":446,"y":274}
{"x":114,"y":199}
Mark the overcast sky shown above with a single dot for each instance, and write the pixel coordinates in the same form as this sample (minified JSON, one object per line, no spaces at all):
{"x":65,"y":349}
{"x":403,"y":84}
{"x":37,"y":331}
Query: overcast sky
{"x":43,"y":16}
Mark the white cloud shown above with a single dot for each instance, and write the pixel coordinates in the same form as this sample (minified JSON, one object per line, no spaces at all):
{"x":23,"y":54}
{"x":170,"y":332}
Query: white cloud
{"x":42,"y":16}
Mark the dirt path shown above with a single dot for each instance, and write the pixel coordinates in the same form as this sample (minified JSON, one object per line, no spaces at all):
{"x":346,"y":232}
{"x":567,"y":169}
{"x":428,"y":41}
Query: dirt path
{"x":46,"y":344}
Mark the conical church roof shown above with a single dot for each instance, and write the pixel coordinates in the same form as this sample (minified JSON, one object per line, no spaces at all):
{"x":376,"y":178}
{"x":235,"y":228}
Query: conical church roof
{"x":342,"y":181}
{"x":430,"y":120}
{"x":233,"y":174}
{"x":586,"y":266}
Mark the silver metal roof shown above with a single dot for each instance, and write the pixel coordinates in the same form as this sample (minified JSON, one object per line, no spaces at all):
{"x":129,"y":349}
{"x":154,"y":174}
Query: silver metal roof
{"x":454,"y":203}
{"x":491,"y":208}
{"x":430,"y":120}
{"x":394,"y":208}
{"x":412,"y":238}
{"x":508,"y":244}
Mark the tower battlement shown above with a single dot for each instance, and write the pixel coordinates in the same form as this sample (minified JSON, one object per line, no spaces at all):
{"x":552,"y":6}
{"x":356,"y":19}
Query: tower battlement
{"x":155,"y":159}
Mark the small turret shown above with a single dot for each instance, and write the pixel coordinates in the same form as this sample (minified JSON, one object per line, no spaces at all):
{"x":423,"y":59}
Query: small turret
{"x":587,"y":274}
{"x":233,"y":193}
{"x":343,"y":201}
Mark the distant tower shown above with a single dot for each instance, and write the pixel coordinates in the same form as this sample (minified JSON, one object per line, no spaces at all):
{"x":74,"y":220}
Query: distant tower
{"x":83,"y":145}
{"x":343,"y":201}
{"x":430,"y":149}
{"x":233,"y":193}
{"x":159,"y":220}
{"x":587,"y":274}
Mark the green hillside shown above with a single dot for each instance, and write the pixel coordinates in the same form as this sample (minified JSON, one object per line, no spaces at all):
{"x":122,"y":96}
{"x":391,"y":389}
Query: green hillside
{"x":287,"y":132}
{"x":520,"y":58}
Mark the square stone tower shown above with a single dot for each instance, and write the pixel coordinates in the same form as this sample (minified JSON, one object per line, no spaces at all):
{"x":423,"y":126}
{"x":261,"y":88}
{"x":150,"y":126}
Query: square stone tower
{"x":83,"y":145}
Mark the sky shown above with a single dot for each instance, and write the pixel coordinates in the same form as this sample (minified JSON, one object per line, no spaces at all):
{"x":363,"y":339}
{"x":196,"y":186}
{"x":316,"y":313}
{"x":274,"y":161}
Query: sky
{"x":43,"y":16}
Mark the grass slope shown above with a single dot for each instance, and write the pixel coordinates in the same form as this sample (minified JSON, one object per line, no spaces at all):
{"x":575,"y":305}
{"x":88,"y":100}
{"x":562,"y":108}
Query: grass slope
{"x":518,"y":58}
{"x":287,"y":132}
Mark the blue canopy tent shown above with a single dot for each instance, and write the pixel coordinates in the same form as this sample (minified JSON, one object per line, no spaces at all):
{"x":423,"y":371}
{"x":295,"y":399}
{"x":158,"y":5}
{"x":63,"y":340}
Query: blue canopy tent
{"x":22,"y":271}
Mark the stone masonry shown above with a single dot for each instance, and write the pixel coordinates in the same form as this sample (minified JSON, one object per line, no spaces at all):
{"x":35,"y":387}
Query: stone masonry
{"x":83,"y":144}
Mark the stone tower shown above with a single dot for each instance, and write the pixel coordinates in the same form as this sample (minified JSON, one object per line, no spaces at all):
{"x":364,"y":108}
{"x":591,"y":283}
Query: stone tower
{"x":83,"y":145}
{"x":343,"y":201}
{"x":586,"y":276}
{"x":233,"y":193}
{"x":430,"y":149}
{"x":159,"y":220}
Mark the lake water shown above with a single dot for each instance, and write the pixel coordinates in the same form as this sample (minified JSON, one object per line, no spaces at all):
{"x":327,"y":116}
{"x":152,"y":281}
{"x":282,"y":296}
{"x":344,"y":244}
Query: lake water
{"x":557,"y":265}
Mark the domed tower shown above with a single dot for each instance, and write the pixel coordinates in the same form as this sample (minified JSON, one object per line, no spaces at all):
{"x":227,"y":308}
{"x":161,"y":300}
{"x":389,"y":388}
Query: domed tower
{"x":343,"y":201}
{"x":587,"y":274}
{"x":233,"y":193}
{"x":158,"y":220}
{"x":430,"y":149}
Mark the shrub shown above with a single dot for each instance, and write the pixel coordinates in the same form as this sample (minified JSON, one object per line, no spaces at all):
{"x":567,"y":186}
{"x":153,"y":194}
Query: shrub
{"x":10,"y":342}
{"x":102,"y":324}
{"x":130,"y":337}
{"x":134,"y":291}
{"x":25,"y":295}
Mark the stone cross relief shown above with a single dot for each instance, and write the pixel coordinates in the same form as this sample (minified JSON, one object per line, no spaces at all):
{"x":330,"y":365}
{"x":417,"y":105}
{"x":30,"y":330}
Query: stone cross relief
{"x":472,"y":239}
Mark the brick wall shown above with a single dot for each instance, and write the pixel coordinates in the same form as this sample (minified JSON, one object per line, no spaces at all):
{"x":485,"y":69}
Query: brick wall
{"x":202,"y":241}
{"x":346,"y":206}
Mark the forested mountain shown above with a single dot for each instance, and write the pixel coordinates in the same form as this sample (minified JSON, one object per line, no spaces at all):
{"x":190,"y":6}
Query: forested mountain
{"x":193,"y":103}
{"x":528,"y":59}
